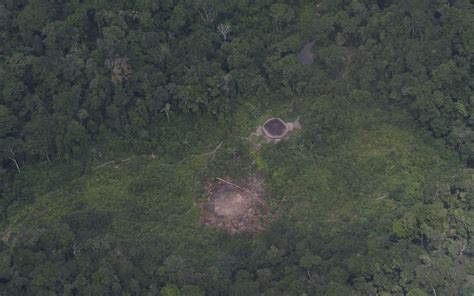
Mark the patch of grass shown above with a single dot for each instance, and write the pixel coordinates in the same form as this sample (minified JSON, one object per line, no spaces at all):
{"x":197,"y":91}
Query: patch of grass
{"x":332,"y":177}
{"x":354,"y":177}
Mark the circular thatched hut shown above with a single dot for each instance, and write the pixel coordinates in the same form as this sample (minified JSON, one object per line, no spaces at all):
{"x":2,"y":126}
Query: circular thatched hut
{"x":275,"y":128}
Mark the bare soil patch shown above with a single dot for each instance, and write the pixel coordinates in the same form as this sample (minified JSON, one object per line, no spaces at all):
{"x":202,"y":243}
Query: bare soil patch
{"x":235,"y":207}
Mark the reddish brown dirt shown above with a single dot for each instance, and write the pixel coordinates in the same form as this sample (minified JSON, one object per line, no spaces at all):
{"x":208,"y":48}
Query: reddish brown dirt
{"x":235,"y":207}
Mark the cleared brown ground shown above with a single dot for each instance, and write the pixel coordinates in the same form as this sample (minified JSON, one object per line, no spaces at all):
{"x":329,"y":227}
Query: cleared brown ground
{"x":235,"y":207}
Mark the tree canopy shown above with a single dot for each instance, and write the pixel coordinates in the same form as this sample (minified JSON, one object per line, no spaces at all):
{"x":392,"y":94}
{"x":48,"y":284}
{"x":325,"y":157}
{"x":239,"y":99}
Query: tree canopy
{"x":108,"y":111}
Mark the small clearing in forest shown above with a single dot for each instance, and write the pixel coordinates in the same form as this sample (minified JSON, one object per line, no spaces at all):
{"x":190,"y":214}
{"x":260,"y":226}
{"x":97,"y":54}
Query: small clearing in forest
{"x":235,"y":207}
{"x":273,"y":131}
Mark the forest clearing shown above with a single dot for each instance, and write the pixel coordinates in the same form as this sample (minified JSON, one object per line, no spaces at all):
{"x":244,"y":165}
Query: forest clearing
{"x":189,"y":148}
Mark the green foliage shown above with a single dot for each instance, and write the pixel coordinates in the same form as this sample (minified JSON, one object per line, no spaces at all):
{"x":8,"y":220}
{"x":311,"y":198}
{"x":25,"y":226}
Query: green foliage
{"x":7,"y":121}
{"x":170,"y":290}
{"x":114,"y":115}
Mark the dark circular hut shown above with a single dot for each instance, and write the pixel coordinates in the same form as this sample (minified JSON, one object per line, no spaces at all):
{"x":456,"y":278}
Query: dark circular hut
{"x":275,"y":128}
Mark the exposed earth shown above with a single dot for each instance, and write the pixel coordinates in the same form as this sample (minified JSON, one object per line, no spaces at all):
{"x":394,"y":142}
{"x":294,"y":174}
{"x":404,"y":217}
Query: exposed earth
{"x":235,"y":207}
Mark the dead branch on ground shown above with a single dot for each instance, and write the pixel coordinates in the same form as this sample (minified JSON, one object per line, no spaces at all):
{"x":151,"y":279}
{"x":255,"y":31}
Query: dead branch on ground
{"x":232,"y":184}
{"x":210,"y":153}
{"x":113,"y":161}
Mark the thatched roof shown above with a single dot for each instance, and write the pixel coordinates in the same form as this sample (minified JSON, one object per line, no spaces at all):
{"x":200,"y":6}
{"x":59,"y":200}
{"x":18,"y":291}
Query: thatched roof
{"x":275,"y":128}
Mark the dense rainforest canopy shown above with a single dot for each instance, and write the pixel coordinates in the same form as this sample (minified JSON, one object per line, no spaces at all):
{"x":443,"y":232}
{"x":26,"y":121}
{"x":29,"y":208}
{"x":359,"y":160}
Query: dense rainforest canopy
{"x":115,"y":114}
